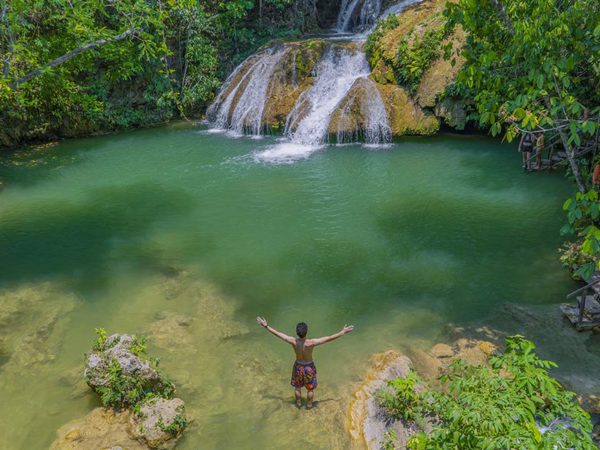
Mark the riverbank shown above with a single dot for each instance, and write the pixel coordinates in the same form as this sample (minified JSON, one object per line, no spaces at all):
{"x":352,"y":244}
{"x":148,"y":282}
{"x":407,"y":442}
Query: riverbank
{"x":402,"y":399}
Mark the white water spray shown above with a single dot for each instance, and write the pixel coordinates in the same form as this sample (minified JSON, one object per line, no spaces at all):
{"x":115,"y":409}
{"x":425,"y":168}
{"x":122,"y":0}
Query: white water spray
{"x":245,"y":115}
{"x":336,"y":73}
{"x":376,"y":129}
{"x":351,"y":18}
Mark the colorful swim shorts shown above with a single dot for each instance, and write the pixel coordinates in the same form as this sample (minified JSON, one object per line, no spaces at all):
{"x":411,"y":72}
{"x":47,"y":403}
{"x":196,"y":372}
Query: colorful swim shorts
{"x":304,"y":375}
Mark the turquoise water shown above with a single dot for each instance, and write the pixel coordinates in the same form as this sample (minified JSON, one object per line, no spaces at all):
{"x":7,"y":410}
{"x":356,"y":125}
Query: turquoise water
{"x":136,"y":231}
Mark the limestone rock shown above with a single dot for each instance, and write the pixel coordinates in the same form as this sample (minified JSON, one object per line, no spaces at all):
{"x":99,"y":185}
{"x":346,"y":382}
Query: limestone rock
{"x":120,"y":349}
{"x":441,"y":73}
{"x":367,"y":421}
{"x":159,"y":423}
{"x":404,"y":115}
{"x":442,"y":351}
{"x":453,"y":112}
{"x":33,"y":319}
{"x":100,"y":429}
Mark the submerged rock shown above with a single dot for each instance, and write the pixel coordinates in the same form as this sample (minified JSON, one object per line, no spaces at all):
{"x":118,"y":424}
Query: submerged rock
{"x":33,"y":320}
{"x":101,"y":429}
{"x":159,"y":422}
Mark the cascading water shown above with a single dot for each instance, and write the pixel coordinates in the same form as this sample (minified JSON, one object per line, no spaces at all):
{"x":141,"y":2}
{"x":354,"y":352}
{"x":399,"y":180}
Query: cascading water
{"x":351,"y":18}
{"x":337,"y":88}
{"x":242,"y":109}
{"x":308,"y":122}
{"x":374,"y":128}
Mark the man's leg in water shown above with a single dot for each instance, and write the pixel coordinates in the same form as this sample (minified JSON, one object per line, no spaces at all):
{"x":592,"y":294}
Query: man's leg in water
{"x":309,"y":401}
{"x":298,"y":394}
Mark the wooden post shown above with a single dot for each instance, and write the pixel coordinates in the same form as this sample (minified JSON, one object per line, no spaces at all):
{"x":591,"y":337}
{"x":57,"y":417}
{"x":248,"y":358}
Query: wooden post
{"x":581,"y":302}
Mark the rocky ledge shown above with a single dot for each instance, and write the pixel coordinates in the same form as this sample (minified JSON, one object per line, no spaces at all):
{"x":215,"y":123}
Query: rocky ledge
{"x":368,"y":423}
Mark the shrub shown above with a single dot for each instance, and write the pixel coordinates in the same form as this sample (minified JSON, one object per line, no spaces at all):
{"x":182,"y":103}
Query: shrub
{"x":512,"y":403}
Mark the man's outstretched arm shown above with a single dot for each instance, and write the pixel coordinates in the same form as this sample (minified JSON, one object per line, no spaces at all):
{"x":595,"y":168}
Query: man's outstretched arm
{"x":284,"y":337}
{"x":324,"y":340}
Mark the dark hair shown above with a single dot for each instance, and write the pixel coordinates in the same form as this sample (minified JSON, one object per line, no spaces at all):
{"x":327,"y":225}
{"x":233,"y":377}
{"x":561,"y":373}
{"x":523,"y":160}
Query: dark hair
{"x":301,"y":329}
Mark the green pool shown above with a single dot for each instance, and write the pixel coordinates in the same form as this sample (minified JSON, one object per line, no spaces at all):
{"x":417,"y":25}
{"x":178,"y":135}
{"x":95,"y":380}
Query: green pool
{"x":186,"y":236}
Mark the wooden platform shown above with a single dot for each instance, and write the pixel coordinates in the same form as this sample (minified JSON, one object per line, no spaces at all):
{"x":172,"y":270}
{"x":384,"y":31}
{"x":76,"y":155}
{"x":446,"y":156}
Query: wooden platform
{"x":585,"y":313}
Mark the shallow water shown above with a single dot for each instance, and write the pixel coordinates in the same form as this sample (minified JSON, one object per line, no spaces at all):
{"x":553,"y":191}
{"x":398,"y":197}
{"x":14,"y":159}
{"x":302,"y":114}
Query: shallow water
{"x":185,"y":236}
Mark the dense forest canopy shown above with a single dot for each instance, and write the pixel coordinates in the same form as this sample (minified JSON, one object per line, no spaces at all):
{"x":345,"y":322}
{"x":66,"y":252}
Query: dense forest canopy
{"x":75,"y":67}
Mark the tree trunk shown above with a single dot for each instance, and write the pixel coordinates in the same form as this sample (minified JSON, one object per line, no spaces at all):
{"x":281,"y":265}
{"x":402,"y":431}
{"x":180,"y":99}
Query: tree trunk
{"x":502,"y":12}
{"x":67,"y":56}
{"x":9,"y":46}
{"x":572,"y":162}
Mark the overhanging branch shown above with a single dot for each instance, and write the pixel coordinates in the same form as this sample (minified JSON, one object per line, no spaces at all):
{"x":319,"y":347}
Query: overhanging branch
{"x":67,"y":56}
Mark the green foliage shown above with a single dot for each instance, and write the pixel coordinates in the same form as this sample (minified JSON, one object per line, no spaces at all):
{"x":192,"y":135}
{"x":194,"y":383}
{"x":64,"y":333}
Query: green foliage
{"x":176,"y":427}
{"x":389,"y":440}
{"x":401,"y":399}
{"x":583,"y":214}
{"x":416,"y":51}
{"x":374,"y":47}
{"x":512,"y":403}
{"x":416,"y":54}
{"x":170,"y":66}
{"x":101,"y":339}
{"x":534,"y":65}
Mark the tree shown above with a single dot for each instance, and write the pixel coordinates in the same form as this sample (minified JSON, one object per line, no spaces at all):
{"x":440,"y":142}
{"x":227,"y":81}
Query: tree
{"x":534,"y":66}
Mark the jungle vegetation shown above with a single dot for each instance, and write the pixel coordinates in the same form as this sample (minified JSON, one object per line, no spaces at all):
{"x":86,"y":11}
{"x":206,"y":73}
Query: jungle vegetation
{"x":70,"y":68}
{"x":512,"y":402}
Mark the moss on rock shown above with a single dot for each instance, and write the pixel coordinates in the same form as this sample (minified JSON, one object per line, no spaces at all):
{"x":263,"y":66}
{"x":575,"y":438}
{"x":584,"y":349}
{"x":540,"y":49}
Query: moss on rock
{"x":405,"y":117}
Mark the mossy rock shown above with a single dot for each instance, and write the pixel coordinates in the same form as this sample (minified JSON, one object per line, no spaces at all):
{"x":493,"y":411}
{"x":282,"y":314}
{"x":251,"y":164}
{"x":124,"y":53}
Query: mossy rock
{"x":159,"y":423}
{"x":119,"y":371}
{"x":441,"y":73}
{"x":405,"y":117}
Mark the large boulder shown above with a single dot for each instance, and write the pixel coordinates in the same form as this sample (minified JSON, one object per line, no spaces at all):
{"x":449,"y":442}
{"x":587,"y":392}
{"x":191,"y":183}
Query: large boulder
{"x":159,"y":422}
{"x":120,"y":373}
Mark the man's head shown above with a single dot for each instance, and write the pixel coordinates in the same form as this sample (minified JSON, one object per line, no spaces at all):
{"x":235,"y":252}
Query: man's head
{"x":301,"y":330}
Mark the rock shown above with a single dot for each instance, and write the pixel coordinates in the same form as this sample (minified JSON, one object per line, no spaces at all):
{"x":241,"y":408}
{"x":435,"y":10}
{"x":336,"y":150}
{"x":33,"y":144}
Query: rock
{"x":406,"y":117}
{"x":159,"y":423}
{"x":33,"y":320}
{"x":442,"y":351}
{"x":367,"y":422}
{"x":292,"y":76}
{"x":453,"y":112}
{"x":100,"y":429}
{"x":441,"y":74}
{"x":120,"y":350}
{"x":432,"y":364}
{"x":577,"y":354}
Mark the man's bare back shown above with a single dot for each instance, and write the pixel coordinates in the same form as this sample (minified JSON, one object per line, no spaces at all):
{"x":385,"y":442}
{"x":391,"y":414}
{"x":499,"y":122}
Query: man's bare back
{"x":304,"y":372}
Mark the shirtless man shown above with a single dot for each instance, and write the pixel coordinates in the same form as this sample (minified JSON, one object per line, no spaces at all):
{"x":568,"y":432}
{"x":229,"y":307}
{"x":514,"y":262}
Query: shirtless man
{"x":304,"y":372}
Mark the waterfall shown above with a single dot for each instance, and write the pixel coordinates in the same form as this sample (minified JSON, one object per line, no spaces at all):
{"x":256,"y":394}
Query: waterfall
{"x":242,"y":108}
{"x":363,"y":19}
{"x":337,"y":96}
{"x":364,"y":102}
{"x":309,"y":120}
